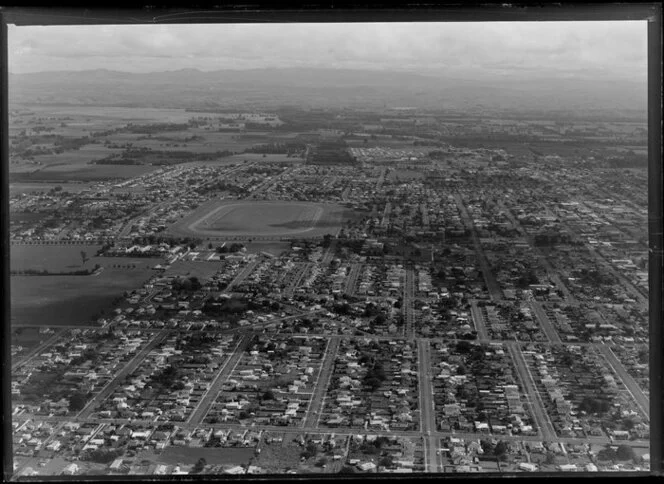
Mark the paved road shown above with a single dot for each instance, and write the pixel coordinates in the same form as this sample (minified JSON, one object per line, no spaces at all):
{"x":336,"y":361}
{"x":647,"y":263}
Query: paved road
{"x":545,"y":323}
{"x":386,"y":215}
{"x":30,"y":355}
{"x":425,"y":215}
{"x":241,"y":276}
{"x":427,"y":411}
{"x":323,"y":380}
{"x":269,"y":183}
{"x":352,"y":278}
{"x":124,"y":232}
{"x":122,"y":374}
{"x":640,"y":398}
{"x":303,"y":269}
{"x":340,"y":431}
{"x":536,"y":406}
{"x":381,"y":178}
{"x":208,"y":398}
{"x":407,"y":303}
{"x":328,"y":254}
{"x":479,"y":323}
{"x":491,"y":283}
{"x":551,"y":271}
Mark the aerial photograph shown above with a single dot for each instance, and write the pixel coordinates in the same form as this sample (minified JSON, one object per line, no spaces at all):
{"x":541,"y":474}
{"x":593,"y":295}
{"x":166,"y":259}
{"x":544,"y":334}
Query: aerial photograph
{"x":345,"y":248}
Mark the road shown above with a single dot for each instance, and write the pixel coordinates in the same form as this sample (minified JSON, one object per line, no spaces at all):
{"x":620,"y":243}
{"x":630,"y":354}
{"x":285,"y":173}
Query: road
{"x":551,"y":271}
{"x":492,"y":285}
{"x":269,"y":183}
{"x":381,"y":178}
{"x":634,"y":389}
{"x":35,"y":351}
{"x":545,"y":323}
{"x":338,"y":431}
{"x":427,"y":411}
{"x":352,"y":278}
{"x":328,"y":254}
{"x":124,"y":232}
{"x":323,"y":380}
{"x":386,"y":215}
{"x":536,"y":406}
{"x":407,"y":303}
{"x":478,"y":321}
{"x":297,"y":278}
{"x":241,"y":276}
{"x":425,"y":215}
{"x":122,"y":374}
{"x":200,"y":411}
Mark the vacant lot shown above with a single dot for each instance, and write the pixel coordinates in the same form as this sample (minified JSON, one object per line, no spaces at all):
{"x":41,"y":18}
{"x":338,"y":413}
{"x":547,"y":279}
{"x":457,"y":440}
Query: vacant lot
{"x":261,"y":219}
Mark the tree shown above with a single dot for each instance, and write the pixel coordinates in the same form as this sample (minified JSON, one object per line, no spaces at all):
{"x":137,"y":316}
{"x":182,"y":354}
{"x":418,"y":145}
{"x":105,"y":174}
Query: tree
{"x":77,"y":401}
{"x":625,"y":452}
{"x":500,"y":449}
{"x":199,"y":466}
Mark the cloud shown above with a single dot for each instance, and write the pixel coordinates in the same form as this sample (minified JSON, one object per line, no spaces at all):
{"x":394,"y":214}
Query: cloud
{"x":614,"y":49}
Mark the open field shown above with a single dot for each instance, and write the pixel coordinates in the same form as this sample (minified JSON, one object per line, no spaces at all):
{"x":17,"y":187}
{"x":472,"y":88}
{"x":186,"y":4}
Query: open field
{"x":53,"y":257}
{"x":260,"y":219}
{"x":174,"y":455}
{"x":36,"y":187}
{"x":27,"y":339}
{"x":199,"y":268}
{"x":83,"y":172}
{"x":404,"y":175}
{"x":73,"y":300}
{"x":112,"y":113}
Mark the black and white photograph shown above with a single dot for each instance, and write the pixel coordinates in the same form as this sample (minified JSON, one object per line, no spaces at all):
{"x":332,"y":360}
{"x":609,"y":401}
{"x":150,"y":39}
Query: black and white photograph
{"x":338,"y":248}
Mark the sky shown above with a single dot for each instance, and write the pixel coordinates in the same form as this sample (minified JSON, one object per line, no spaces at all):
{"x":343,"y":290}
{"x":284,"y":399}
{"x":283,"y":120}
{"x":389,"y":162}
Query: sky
{"x":610,"y":50}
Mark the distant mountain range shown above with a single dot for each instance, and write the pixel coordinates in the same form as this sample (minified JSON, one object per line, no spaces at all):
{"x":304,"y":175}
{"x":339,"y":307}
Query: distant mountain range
{"x":315,"y":87}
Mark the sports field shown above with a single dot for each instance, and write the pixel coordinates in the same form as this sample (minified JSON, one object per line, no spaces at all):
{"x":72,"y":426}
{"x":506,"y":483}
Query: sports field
{"x":236,"y":218}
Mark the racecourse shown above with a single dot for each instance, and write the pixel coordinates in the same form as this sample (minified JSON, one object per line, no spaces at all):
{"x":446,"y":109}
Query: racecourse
{"x":236,"y":218}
